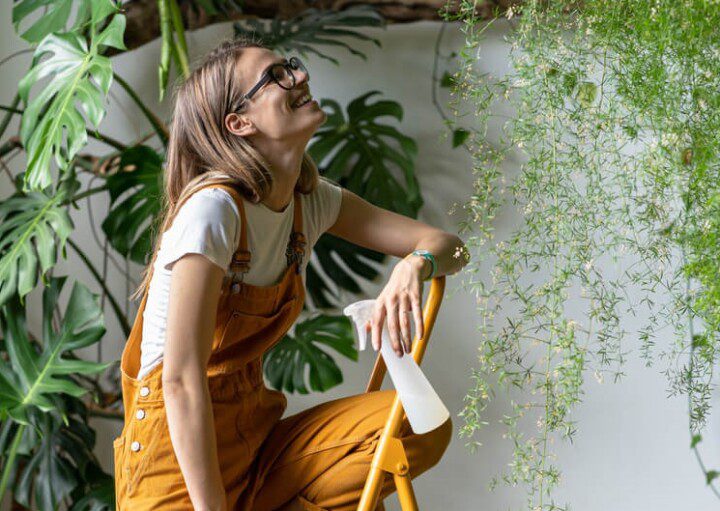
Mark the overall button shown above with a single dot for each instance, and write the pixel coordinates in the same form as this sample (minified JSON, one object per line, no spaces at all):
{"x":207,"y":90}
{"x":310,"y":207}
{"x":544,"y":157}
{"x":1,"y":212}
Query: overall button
{"x":144,"y":391}
{"x":140,"y":414}
{"x":135,"y":446}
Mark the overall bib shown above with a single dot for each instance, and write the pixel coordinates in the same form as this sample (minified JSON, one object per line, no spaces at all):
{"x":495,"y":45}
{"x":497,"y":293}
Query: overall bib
{"x":320,"y":457}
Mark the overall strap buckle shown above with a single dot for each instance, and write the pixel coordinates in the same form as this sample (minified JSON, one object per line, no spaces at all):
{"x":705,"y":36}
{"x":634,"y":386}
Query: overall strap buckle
{"x":240,"y":264}
{"x":296,"y":249}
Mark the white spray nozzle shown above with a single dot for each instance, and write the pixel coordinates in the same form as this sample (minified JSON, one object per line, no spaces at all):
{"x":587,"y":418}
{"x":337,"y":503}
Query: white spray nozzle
{"x":360,"y":312}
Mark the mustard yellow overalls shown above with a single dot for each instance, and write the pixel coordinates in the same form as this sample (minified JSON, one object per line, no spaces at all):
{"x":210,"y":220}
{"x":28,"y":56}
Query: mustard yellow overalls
{"x":320,"y":456}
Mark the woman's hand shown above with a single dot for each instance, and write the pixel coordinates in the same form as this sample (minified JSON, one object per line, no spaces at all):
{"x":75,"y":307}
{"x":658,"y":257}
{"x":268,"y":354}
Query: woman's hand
{"x":401,"y":296}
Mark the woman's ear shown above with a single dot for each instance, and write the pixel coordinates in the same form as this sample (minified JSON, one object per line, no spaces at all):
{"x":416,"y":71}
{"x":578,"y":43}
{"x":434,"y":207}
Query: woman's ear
{"x":239,"y":124}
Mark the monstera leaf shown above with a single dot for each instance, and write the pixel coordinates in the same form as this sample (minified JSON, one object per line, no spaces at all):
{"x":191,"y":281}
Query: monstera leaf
{"x":285,"y":363}
{"x":358,"y":153}
{"x":32,"y":378}
{"x":53,"y":18}
{"x":354,"y":257}
{"x":128,"y":224}
{"x":314,"y":27}
{"x":52,"y":125}
{"x":27,"y":224}
{"x":60,"y":465}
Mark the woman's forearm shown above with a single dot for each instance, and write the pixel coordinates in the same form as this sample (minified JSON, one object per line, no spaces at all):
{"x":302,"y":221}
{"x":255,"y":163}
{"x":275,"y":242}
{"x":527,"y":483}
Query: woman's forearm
{"x":449,"y":251}
{"x":192,"y":432}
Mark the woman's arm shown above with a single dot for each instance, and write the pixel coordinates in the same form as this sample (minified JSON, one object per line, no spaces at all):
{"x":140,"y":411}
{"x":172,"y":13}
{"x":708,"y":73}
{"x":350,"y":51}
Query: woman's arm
{"x":194,"y":294}
{"x":385,"y":231}
{"x":388,"y":232}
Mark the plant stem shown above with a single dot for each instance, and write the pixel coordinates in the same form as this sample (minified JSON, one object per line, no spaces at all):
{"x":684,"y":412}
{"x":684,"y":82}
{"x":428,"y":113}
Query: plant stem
{"x":154,"y":120}
{"x":113,"y":303}
{"x":8,"y":114}
{"x":11,"y":459}
{"x":87,"y":193}
{"x":179,"y":29}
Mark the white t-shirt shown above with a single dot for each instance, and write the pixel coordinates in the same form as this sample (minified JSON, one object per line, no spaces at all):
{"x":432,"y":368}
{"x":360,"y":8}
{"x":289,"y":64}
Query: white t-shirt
{"x":208,"y":223}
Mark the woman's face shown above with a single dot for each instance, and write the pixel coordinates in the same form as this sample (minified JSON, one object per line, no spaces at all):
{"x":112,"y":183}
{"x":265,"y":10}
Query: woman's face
{"x":271,"y":113}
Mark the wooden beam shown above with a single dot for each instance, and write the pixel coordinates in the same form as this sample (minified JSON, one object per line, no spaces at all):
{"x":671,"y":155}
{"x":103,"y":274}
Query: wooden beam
{"x":143,"y":20}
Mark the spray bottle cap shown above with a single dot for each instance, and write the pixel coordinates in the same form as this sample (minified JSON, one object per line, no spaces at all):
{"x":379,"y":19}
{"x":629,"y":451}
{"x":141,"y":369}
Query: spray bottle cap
{"x":361,"y":313}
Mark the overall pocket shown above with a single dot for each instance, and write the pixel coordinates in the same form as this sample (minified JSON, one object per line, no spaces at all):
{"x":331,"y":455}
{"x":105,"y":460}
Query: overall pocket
{"x":120,"y":473}
{"x":145,"y":433}
{"x":241,"y":324}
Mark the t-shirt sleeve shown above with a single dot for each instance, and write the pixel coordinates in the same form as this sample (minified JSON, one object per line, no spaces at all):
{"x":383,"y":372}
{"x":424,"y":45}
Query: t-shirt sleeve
{"x":326,"y":204}
{"x":207,"y":224}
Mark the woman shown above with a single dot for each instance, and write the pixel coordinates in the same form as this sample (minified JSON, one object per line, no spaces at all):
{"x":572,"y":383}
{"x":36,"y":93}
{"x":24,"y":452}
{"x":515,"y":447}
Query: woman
{"x":201,"y":429}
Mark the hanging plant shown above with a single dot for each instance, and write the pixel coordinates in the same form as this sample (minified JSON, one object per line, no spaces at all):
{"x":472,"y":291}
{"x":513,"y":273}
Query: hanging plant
{"x":616,"y":121}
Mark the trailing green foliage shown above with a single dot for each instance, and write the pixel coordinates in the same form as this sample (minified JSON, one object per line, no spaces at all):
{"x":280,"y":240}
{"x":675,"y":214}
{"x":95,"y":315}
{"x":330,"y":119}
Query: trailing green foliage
{"x":52,"y":125}
{"x":616,"y":118}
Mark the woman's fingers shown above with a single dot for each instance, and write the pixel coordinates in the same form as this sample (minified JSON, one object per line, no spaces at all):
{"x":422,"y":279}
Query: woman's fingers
{"x":376,"y":325}
{"x":417,"y":315}
{"x":405,"y":323}
{"x":394,"y":325}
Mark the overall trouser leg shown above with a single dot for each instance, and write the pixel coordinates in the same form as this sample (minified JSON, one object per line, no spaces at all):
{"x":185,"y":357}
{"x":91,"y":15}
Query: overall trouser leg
{"x":321,"y":456}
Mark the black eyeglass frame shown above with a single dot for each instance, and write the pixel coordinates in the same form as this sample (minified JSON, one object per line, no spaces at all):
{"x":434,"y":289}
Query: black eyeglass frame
{"x":292,"y":64}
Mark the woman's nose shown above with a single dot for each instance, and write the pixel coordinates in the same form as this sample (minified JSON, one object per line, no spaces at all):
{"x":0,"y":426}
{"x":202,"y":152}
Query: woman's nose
{"x":301,"y":77}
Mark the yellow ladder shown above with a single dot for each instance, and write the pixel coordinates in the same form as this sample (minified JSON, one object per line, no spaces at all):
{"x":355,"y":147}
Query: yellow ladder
{"x":390,"y":454}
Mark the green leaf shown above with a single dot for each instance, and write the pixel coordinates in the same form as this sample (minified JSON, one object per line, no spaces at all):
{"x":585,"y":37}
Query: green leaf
{"x":314,"y":27}
{"x":53,"y":18}
{"x":357,"y":153}
{"x":711,"y":475}
{"x":79,"y":79}
{"x":357,"y":259}
{"x":460,"y":135}
{"x":60,"y":464}
{"x":586,"y":94}
{"x":113,"y":34}
{"x":39,"y":375}
{"x":447,"y":80}
{"x":135,"y":201}
{"x":285,"y":363}
{"x":696,"y":439}
{"x":28,"y":226}
{"x":374,"y":161}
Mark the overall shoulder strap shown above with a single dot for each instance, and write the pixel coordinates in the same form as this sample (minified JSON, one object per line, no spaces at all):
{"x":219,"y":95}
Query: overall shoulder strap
{"x":241,"y":257}
{"x":296,"y":245}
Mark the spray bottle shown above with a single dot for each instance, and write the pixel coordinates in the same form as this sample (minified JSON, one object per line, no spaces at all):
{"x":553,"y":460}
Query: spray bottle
{"x":423,"y":407}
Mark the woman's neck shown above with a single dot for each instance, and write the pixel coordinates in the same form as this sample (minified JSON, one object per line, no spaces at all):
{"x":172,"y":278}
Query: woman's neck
{"x":285,"y":167}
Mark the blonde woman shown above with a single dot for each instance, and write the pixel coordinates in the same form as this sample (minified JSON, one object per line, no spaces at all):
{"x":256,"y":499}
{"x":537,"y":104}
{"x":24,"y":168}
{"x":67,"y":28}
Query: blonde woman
{"x":244,"y":205}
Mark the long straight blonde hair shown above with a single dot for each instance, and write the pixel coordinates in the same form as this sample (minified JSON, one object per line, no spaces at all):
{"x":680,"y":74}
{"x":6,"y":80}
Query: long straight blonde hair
{"x":200,"y":148}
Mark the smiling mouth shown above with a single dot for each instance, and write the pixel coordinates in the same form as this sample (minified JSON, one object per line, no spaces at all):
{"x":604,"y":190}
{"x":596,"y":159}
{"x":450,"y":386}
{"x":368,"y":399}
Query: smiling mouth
{"x":302,"y":100}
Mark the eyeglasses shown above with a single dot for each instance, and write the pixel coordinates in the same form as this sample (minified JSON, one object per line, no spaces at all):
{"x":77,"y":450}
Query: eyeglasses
{"x":281,"y":73}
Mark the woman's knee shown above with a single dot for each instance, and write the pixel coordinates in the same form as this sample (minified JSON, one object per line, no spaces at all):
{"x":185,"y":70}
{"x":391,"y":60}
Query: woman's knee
{"x":433,"y":446}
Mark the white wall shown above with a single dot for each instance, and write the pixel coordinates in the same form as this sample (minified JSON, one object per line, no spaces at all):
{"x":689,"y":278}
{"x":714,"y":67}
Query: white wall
{"x":631,"y":452}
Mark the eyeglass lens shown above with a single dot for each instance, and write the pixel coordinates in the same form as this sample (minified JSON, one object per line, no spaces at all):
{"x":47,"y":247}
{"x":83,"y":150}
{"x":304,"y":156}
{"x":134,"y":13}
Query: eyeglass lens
{"x":283,"y":76}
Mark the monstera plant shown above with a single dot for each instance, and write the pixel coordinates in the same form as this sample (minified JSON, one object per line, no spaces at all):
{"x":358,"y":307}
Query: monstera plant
{"x":47,"y":394}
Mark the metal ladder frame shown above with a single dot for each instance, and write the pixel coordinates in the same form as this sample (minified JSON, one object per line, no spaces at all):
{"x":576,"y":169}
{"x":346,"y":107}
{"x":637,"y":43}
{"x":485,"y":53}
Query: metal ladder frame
{"x":390,"y":454}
